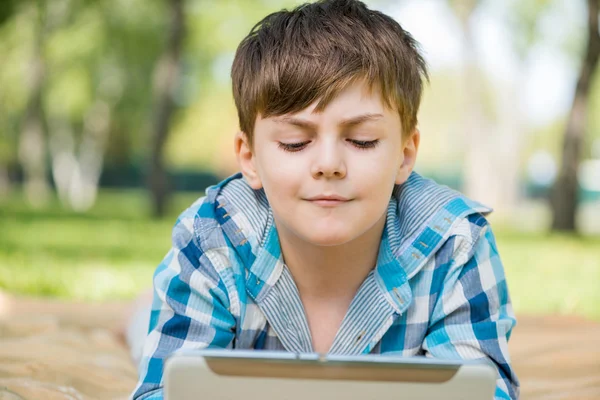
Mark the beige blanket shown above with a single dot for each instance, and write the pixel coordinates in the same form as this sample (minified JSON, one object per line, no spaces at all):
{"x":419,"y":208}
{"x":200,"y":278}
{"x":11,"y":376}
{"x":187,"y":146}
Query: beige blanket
{"x":57,"y":350}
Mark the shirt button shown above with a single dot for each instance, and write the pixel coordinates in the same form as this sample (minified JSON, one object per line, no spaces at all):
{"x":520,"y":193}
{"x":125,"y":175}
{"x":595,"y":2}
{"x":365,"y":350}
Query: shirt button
{"x":360,"y":336}
{"x":398,"y":296}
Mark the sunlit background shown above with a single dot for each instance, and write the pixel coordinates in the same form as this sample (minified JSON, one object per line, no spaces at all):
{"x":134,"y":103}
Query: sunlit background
{"x":115,"y":115}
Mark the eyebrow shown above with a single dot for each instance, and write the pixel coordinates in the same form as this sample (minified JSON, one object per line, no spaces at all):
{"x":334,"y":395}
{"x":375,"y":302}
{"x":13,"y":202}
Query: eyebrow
{"x":353,"y":121}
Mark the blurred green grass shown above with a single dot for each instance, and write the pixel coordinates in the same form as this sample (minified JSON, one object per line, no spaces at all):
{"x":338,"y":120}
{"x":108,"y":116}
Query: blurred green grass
{"x":107,"y":253}
{"x":111,"y":252}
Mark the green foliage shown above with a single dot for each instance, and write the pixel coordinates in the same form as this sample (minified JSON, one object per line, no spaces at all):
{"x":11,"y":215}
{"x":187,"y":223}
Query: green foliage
{"x":110,"y":49}
{"x":544,"y":21}
{"x":112,"y":251}
{"x":524,"y":19}
{"x":6,"y":10}
{"x":16,"y":37}
{"x":90,"y":49}
{"x":202,"y":133}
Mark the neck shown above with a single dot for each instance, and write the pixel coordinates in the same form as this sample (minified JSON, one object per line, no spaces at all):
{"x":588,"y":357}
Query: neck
{"x":322,"y":272}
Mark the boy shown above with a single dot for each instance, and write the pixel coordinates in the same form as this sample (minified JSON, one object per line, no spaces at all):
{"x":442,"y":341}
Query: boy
{"x":327,"y":241}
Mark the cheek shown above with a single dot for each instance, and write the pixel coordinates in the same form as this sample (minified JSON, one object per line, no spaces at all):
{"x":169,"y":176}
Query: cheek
{"x":280,"y":172}
{"x":280,"y":164}
{"x":281,"y":177}
{"x":378,"y":169}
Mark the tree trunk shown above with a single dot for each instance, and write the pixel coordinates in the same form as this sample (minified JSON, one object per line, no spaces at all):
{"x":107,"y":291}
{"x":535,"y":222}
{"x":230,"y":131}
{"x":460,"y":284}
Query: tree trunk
{"x":478,"y":170}
{"x":77,"y":173}
{"x":492,"y":147}
{"x":32,"y":141}
{"x":4,"y":181}
{"x":165,"y":81}
{"x":564,"y":196}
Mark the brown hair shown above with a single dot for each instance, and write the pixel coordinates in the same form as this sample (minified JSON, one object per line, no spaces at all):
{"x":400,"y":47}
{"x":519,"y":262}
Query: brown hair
{"x":292,"y":58}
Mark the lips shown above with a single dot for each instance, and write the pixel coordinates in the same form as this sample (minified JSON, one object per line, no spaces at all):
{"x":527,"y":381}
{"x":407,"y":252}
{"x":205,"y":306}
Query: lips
{"x":331,"y":197}
{"x":328,"y":200}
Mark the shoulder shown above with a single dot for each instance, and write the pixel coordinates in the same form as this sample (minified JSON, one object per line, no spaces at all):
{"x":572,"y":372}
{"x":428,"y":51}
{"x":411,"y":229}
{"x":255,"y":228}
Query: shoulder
{"x":201,"y":258}
{"x":469,"y":233}
{"x":207,"y":219}
{"x":427,"y":219}
{"x":195,"y":225}
{"x":226,"y":226}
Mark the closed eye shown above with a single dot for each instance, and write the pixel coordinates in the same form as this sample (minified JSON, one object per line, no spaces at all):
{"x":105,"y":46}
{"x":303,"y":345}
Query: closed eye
{"x":359,"y":144}
{"x":364,"y":144}
{"x":292,"y":147}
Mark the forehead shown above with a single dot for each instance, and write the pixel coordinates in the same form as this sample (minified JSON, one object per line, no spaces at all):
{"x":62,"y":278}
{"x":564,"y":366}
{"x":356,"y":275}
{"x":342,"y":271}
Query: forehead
{"x":356,"y":98}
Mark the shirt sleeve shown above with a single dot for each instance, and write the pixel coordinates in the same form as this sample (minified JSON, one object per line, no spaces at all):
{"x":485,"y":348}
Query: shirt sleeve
{"x":473,"y":316}
{"x":190,"y":308}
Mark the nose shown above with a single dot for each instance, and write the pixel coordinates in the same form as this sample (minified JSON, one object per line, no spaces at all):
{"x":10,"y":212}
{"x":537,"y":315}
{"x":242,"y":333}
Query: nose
{"x":329,"y":160}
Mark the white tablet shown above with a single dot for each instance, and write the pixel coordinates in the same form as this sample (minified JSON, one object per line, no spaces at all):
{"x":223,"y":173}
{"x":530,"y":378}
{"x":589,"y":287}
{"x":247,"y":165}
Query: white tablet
{"x":266,"y":375}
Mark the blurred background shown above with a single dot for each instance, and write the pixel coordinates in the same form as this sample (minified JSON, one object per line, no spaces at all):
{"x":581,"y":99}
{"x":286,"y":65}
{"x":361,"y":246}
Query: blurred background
{"x":116,"y":114}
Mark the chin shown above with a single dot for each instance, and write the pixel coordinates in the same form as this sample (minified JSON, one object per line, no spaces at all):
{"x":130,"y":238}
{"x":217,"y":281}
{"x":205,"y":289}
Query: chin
{"x":330,"y":238}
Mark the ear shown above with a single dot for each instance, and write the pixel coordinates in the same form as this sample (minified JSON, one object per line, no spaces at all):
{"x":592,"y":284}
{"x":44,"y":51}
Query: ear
{"x":246,"y":160}
{"x":409,"y":152}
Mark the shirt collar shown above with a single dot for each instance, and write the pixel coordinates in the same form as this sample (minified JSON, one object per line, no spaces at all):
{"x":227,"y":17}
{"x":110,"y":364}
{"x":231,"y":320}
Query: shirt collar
{"x":420,"y":217}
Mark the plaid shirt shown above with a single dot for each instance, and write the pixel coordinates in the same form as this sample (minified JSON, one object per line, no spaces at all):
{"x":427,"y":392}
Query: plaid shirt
{"x":438,"y":289}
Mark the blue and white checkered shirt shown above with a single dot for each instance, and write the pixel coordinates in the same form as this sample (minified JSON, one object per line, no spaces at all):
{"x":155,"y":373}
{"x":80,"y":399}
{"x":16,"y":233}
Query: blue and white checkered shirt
{"x":438,"y":289}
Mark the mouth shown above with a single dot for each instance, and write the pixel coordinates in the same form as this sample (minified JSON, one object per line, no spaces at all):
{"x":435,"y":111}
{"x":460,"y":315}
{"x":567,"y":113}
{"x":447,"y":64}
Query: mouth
{"x":328,"y":201}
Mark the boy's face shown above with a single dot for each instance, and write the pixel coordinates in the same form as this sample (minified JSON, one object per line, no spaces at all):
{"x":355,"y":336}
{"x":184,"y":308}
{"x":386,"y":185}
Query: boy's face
{"x":353,"y":149}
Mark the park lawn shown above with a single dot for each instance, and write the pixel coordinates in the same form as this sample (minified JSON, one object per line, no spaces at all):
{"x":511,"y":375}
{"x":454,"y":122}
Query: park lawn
{"x":111,"y":252}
